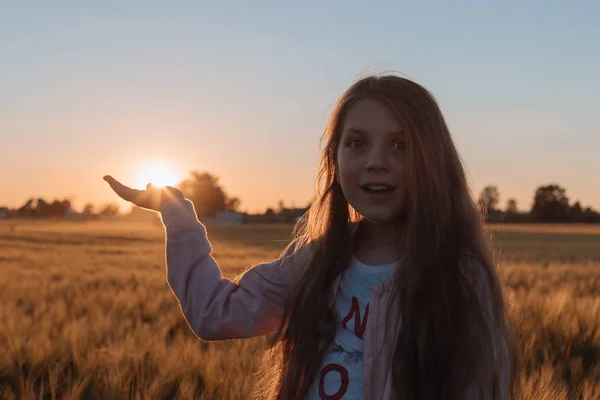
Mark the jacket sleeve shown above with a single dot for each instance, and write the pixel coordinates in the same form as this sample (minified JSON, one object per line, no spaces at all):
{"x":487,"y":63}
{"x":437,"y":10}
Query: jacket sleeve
{"x":217,"y":308}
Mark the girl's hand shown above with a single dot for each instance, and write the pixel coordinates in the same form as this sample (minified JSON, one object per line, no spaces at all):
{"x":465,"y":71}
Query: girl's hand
{"x":152,"y":198}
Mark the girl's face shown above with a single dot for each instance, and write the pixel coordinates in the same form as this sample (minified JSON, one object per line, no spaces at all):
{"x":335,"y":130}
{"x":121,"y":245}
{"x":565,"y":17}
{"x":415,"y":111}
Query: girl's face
{"x":371,"y":161}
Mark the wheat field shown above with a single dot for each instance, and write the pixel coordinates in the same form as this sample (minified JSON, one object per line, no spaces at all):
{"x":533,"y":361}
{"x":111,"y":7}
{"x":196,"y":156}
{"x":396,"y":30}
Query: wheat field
{"x":85,"y":311}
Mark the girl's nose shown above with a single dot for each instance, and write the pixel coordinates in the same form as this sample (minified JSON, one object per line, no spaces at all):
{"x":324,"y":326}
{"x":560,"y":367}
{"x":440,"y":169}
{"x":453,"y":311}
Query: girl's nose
{"x":376,"y":160}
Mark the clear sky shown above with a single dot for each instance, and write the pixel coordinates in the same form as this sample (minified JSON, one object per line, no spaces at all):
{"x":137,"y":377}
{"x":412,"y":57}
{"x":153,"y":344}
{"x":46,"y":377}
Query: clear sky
{"x":243,"y":90}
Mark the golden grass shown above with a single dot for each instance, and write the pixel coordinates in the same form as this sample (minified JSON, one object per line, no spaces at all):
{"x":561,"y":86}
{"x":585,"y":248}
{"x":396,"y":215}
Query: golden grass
{"x":86,"y":312}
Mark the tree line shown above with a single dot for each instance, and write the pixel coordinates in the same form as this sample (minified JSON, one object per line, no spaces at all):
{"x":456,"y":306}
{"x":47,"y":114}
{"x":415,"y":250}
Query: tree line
{"x":550,"y":204}
{"x":58,"y":208}
{"x":202,"y":188}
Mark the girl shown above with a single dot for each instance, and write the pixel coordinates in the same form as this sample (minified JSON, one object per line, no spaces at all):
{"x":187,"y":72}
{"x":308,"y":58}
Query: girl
{"x":388,"y":289}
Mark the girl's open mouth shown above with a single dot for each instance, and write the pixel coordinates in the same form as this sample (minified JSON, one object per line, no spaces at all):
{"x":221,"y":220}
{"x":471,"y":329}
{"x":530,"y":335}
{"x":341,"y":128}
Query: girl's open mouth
{"x":378,"y":191}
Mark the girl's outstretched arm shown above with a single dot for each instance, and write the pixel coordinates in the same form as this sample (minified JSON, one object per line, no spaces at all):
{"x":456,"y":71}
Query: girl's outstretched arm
{"x":215,"y":307}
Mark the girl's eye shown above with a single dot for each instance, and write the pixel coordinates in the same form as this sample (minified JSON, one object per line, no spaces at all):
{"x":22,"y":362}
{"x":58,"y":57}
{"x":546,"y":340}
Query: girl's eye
{"x":400,"y":145}
{"x":355,"y":143}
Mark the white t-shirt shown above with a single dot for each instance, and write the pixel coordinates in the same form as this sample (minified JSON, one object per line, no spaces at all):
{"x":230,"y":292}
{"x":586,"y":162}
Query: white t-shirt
{"x":341,"y":375}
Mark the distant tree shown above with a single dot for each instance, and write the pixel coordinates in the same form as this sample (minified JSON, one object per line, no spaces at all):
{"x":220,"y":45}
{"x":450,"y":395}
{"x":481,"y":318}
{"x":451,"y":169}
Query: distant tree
{"x":550,"y":204}
{"x":281,"y":205}
{"x":42,"y":208}
{"x":233,"y":204}
{"x":576,"y":212}
{"x":489,"y":199}
{"x":511,"y":206}
{"x":512,"y":211}
{"x":26,"y":210}
{"x":204,"y":190}
{"x":591,"y":216}
{"x":59,"y":208}
{"x":109,"y":209}
{"x":89,"y":209}
{"x":286,"y":216}
{"x":270,"y":215}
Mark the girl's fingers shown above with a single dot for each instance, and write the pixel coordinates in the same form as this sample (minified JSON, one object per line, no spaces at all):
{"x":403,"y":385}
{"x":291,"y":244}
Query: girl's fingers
{"x":152,"y":198}
{"x":149,"y":198}
{"x":124,"y":192}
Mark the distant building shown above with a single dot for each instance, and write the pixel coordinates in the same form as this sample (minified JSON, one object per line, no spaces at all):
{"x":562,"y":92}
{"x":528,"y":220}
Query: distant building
{"x":229,"y":218}
{"x":496,"y":216}
{"x":298,"y":213}
{"x":3,"y":212}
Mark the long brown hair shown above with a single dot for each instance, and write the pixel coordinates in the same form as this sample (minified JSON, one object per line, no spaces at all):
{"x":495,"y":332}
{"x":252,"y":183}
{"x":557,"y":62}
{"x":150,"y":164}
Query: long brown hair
{"x":445,"y":341}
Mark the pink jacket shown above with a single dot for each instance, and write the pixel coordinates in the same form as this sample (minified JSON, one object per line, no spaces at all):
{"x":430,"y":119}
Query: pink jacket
{"x":218,"y":309}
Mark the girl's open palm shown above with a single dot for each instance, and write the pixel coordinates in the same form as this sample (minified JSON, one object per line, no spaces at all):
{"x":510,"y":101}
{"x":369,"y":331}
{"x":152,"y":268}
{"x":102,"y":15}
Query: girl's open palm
{"x":152,"y":198}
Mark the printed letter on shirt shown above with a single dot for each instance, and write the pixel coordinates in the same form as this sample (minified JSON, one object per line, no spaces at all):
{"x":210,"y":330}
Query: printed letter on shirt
{"x":343,"y":387}
{"x":359,"y":326}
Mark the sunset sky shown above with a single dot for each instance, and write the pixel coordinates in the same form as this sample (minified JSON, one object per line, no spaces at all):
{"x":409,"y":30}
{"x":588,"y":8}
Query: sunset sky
{"x":243,"y":91}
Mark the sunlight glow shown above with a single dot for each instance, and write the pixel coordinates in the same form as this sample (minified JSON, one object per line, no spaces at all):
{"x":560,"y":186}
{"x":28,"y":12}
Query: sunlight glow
{"x":158,"y":174}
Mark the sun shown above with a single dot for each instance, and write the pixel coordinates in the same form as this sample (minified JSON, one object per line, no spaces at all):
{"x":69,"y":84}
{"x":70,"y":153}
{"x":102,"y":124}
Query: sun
{"x":158,"y":174}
